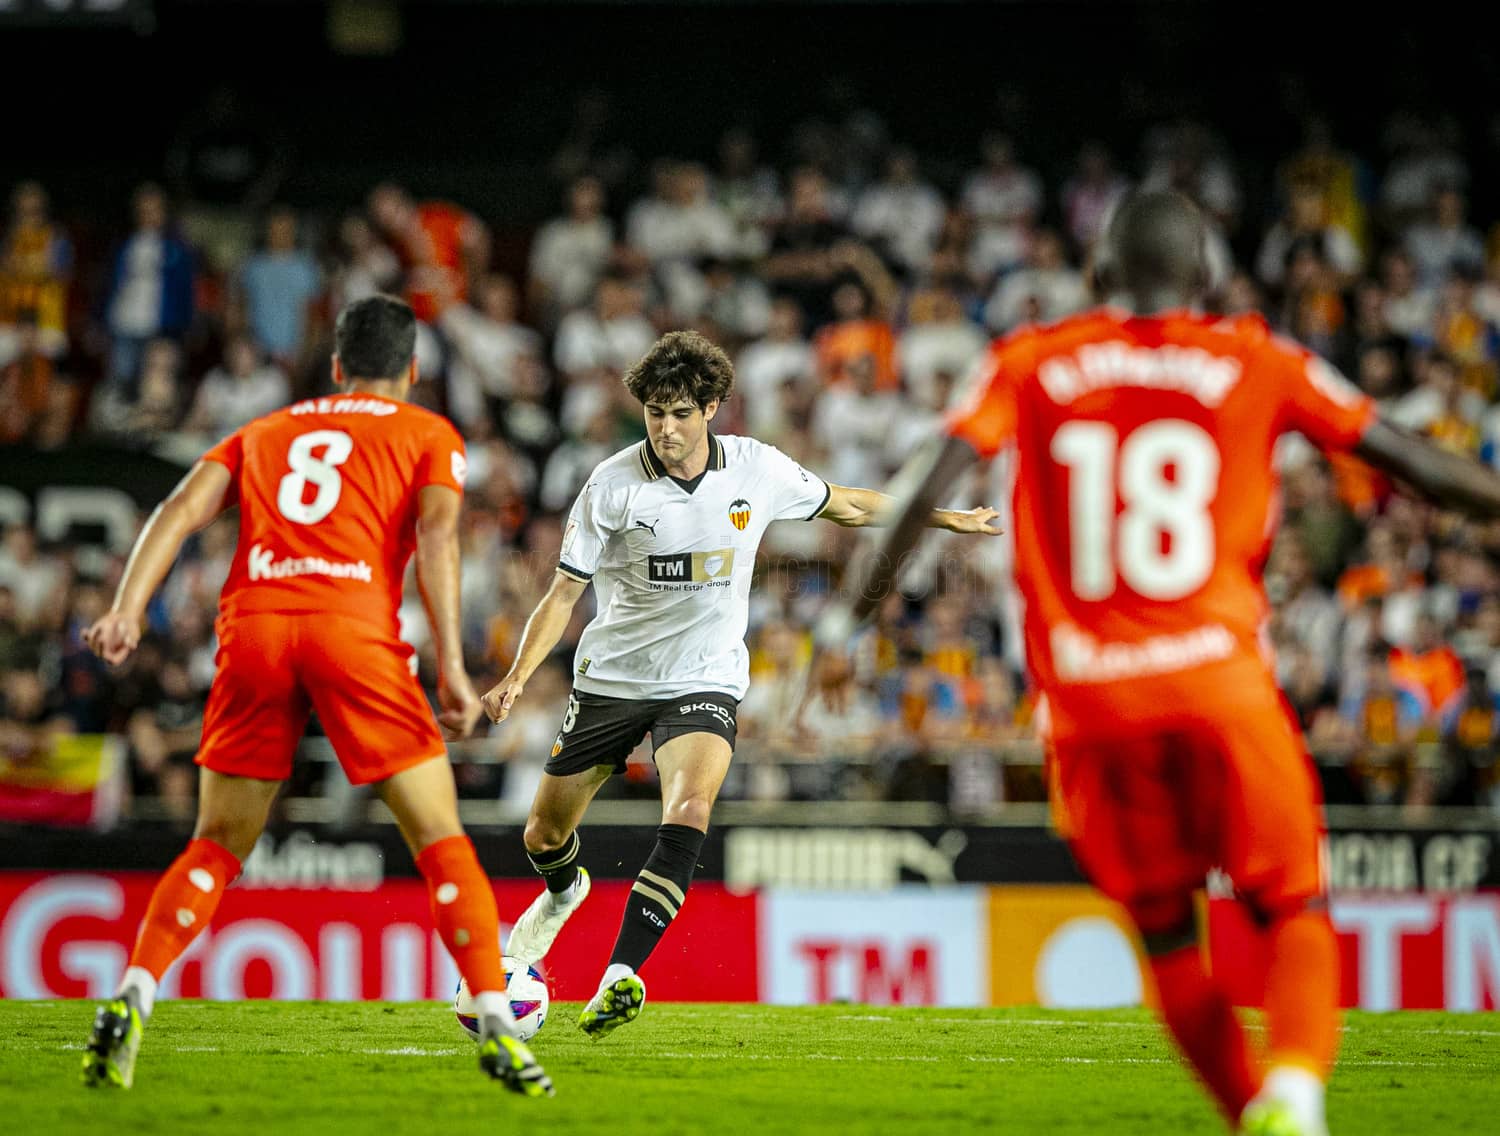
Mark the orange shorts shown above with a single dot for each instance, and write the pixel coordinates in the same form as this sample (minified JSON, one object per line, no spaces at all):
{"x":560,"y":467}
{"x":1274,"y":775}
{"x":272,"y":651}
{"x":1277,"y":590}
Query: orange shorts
{"x":1149,"y":814}
{"x":273,"y":670}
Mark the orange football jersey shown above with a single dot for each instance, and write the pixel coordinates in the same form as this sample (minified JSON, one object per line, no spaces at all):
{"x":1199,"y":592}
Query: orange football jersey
{"x":328,"y":492}
{"x":1145,"y":500}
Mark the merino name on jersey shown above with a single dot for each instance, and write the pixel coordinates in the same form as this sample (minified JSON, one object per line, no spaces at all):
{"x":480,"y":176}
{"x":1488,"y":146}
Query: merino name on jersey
{"x":351,"y":405}
{"x":671,"y":563}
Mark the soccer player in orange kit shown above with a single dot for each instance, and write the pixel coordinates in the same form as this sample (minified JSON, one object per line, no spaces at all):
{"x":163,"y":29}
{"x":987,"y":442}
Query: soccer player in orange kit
{"x":335,"y":494}
{"x":1144,"y":504}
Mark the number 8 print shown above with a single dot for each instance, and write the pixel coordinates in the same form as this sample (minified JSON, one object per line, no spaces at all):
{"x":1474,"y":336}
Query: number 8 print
{"x":322,"y":472}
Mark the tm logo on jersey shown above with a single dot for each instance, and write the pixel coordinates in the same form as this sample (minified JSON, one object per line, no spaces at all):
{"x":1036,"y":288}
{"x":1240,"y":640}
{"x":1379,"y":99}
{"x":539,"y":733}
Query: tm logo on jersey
{"x":739,"y":513}
{"x":690,"y":567}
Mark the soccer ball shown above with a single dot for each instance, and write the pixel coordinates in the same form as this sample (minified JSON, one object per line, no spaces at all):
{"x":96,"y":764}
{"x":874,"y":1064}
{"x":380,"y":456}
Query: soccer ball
{"x":528,"y":1000}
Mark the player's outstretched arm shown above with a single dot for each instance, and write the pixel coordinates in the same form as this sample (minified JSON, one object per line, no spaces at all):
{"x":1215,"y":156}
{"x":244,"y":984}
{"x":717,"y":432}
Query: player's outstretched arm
{"x":543,"y":629}
{"x":856,"y":508}
{"x":1442,"y":477}
{"x":438,"y":509}
{"x":915,"y":490}
{"x":197,"y":500}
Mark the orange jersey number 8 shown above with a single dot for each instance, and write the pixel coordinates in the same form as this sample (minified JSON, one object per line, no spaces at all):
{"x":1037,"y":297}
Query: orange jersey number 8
{"x":1126,"y":544}
{"x":320,"y":471}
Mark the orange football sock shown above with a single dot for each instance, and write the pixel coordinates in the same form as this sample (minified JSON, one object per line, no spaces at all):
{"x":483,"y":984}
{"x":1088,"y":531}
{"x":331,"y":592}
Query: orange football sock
{"x":463,"y":909}
{"x":1302,"y":992}
{"x":184,"y":901}
{"x":1197,"y":1010}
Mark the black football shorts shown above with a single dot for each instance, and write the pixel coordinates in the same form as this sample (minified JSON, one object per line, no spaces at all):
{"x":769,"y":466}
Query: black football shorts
{"x":597,"y":730}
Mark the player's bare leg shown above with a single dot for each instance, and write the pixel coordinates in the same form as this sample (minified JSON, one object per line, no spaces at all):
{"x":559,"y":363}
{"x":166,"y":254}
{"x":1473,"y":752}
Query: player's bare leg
{"x":231,"y":815}
{"x":1302,"y":1017}
{"x":1195,"y":1006}
{"x":425,"y":804}
{"x":552,"y":845}
{"x":692,"y":769}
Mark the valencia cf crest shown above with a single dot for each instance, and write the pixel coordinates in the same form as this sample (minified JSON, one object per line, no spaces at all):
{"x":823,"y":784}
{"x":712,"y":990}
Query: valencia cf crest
{"x":739,"y":513}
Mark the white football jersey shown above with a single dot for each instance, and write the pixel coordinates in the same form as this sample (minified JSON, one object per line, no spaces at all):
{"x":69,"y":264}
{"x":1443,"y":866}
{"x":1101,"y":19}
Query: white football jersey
{"x":671,"y":564}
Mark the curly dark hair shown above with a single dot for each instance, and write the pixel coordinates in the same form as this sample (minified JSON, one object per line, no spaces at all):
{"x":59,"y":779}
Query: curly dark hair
{"x":682,"y":365}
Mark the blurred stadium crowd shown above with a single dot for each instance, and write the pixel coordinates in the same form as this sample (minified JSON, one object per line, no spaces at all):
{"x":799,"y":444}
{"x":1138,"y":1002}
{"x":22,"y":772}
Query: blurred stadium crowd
{"x":854,"y":294}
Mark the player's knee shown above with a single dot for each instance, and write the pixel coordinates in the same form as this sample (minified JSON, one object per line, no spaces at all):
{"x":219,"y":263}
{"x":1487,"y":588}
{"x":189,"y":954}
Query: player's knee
{"x":237,"y":839}
{"x":1272,"y":907}
{"x":1166,"y":923}
{"x":691,"y":812}
{"x":544,"y":835}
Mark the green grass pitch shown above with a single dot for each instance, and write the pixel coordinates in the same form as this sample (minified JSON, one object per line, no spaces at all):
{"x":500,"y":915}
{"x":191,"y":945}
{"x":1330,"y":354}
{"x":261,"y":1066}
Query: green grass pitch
{"x":288,"y":1069}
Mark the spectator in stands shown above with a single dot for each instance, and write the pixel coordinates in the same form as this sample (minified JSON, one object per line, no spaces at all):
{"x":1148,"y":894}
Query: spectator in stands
{"x":938,"y":340}
{"x":23,"y":645}
{"x":1306,"y":222}
{"x":604,"y":341}
{"x":853,"y":422}
{"x":1439,"y":399}
{"x":1385,"y":720}
{"x":1090,"y":196}
{"x":840,"y":719}
{"x":139,"y":415}
{"x":83,"y":678}
{"x":858,"y":334}
{"x":35,"y":406}
{"x":1047,"y":289}
{"x":1339,"y":176}
{"x":1471,"y":740}
{"x":802,"y":263}
{"x":572,"y":462}
{"x":36,"y":266}
{"x":1319,"y":523}
{"x":768,"y":713}
{"x":1445,"y":239}
{"x":734,"y":306}
{"x":1409,"y":307}
{"x":681,"y":223}
{"x":364,"y":264}
{"x":524,"y":419}
{"x":1460,"y":332}
{"x":570,"y":253}
{"x":747,"y":191}
{"x":279,"y":285}
{"x":1487,"y":291}
{"x":442,"y":247}
{"x":1312,"y":310}
{"x":28,"y":718}
{"x":242,"y":388}
{"x":487,"y":341}
{"x":901,"y":215}
{"x":35,"y":579}
{"x":1005,"y":198}
{"x":1429,"y":670}
{"x":1185,"y":156}
{"x":164,"y":732}
{"x":150,"y":292}
{"x":1424,"y":161}
{"x":1306,"y":616}
{"x":782,"y":355}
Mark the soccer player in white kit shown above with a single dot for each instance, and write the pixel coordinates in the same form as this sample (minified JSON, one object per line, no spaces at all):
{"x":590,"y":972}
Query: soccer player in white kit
{"x":667,"y":532}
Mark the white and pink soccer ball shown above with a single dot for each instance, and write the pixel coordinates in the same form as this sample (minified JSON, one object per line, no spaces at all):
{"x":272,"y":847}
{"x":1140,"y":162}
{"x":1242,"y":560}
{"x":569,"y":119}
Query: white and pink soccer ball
{"x":528,"y":1000}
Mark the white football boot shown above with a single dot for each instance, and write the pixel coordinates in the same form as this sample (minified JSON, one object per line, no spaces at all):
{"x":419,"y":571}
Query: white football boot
{"x":537,"y":929}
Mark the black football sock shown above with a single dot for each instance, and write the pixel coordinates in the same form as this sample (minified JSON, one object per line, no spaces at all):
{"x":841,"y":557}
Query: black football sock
{"x":558,"y":867}
{"x":658,"y":894}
